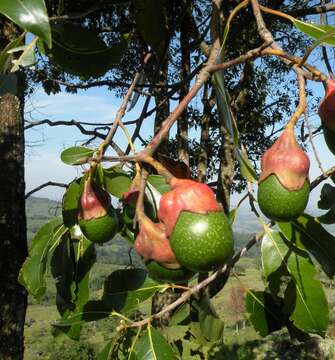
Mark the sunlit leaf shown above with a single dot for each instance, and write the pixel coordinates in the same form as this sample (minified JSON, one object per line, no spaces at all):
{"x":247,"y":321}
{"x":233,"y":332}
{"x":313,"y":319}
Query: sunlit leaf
{"x":159,"y":183}
{"x":116,"y":181}
{"x":304,"y":302}
{"x":222,"y":102}
{"x":316,"y":31}
{"x":27,"y":58}
{"x":247,"y":170}
{"x":72,"y":155}
{"x":33,"y":272}
{"x":265,"y":313}
{"x":308,"y":234}
{"x":5,"y":55}
{"x":153,"y":346}
{"x":31,"y":15}
{"x":71,"y":202}
{"x":210,"y":324}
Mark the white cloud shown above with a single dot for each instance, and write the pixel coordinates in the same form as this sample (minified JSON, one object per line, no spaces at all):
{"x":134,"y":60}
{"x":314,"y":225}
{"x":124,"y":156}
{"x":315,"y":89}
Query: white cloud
{"x":87,"y":106}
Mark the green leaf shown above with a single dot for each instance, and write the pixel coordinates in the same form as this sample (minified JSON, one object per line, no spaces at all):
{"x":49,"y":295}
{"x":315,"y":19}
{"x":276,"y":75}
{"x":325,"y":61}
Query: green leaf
{"x":150,"y":21}
{"x":107,"y":351}
{"x":72,"y":155}
{"x":308,"y":234}
{"x":116,"y":181}
{"x":232,"y":215}
{"x":180,"y":315}
{"x":27,"y":58}
{"x":316,"y":31}
{"x":222,"y":102}
{"x":328,"y":217}
{"x":327,"y":197}
{"x":62,"y":270}
{"x":305,"y":302}
{"x":265,"y":314}
{"x":247,"y":170}
{"x":123,"y":291}
{"x":71,"y":202}
{"x":5,"y":55}
{"x":71,"y":266}
{"x":32,"y":273}
{"x":31,"y":15}
{"x":210,"y":324}
{"x":127,"y":234}
{"x":88,"y":58}
{"x":153,"y":346}
{"x":159,"y":183}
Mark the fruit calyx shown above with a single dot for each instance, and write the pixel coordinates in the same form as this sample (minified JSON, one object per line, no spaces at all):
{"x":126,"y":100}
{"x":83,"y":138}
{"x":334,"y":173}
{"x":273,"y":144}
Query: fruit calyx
{"x":287,"y":161}
{"x":185,"y":195}
{"x":327,"y":106}
{"x":152,"y":243}
{"x":94,"y":203}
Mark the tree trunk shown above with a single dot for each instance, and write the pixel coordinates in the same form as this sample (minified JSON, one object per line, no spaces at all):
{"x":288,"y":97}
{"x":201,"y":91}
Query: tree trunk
{"x":13,"y":244}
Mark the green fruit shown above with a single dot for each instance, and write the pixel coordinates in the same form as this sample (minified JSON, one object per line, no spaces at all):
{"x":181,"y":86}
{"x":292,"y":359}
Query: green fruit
{"x":162,"y":274}
{"x":100,"y":229}
{"x":280,"y":204}
{"x":329,"y":138}
{"x":202,"y":242}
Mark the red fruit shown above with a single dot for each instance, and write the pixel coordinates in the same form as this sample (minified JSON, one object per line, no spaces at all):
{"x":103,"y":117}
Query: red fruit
{"x":152,"y":243}
{"x":98,"y":220}
{"x":327,"y":106}
{"x":186,"y":195}
{"x":287,"y":161}
{"x":93,"y":203}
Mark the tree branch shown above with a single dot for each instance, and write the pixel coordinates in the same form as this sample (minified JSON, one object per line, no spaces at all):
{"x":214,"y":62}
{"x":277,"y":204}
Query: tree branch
{"x":49,"y":183}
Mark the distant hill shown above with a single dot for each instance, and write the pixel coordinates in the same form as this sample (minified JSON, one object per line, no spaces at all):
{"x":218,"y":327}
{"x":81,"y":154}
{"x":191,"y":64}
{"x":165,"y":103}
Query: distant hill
{"x":39,"y":211}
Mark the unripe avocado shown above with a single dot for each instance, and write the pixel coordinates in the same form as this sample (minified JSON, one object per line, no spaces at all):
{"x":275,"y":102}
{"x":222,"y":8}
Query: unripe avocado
{"x":280,"y":204}
{"x":162,"y":274}
{"x":329,"y":138}
{"x":101,"y":229}
{"x":202,"y":242}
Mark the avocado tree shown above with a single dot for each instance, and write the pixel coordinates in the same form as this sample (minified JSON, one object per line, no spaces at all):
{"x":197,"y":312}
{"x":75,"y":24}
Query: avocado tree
{"x":175,"y":210}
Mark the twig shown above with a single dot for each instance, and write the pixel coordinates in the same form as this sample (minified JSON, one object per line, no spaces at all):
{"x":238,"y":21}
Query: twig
{"x":322,"y":177}
{"x":49,"y":183}
{"x":122,"y":109}
{"x":267,"y":36}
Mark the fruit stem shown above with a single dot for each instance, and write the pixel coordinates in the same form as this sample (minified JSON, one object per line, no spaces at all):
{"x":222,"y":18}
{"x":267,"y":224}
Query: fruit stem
{"x":140,"y":214}
{"x":160,"y":168}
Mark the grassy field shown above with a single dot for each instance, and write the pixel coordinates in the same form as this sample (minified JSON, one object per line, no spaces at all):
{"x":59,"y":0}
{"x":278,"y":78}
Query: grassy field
{"x":240,"y":339}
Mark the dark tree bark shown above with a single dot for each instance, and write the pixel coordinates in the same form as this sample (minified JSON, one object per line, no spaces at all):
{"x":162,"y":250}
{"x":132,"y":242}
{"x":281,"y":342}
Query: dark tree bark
{"x":13,"y":244}
{"x":182,"y":124}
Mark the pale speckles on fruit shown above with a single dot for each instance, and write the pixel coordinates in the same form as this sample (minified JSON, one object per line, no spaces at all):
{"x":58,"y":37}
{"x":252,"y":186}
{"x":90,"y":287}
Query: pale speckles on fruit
{"x":280,"y":204}
{"x":202,"y":242}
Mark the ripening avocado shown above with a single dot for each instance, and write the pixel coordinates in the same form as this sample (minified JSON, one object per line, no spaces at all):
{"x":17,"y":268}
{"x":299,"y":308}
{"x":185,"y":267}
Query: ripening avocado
{"x":202,"y":242}
{"x":160,"y":273}
{"x":279,"y":204}
{"x":329,"y":138}
{"x":100,"y":229}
